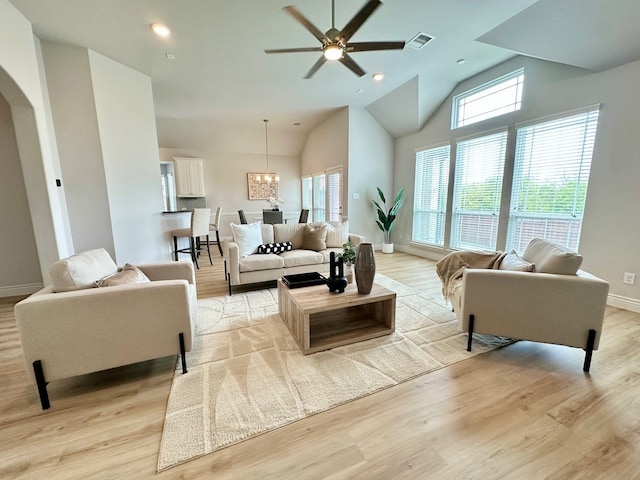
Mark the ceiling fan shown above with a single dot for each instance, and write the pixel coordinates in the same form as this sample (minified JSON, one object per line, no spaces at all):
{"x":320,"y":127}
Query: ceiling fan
{"x":334,"y":42}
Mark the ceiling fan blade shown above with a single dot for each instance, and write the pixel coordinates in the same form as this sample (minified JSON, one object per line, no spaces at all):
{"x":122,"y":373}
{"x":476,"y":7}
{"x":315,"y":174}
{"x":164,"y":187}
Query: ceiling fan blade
{"x":348,"y":62}
{"x":356,"y":22}
{"x":315,"y":67}
{"x":370,"y":46}
{"x":293,"y":11}
{"x":294,"y":50}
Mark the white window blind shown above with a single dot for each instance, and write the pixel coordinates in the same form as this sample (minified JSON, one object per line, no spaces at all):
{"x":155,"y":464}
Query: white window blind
{"x":334,"y":193}
{"x":500,"y":96}
{"x":319,"y":198}
{"x":430,"y":195}
{"x":551,"y":172}
{"x":477,"y":192}
{"x":307,"y":192}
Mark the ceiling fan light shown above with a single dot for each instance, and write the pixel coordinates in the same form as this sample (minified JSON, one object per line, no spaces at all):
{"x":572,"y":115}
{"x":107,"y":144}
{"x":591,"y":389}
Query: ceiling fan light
{"x":161,"y":30}
{"x":332,"y":52}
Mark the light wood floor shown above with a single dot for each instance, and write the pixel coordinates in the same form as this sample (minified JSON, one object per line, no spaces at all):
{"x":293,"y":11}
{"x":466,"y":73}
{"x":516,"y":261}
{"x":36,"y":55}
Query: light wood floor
{"x":526,"y":411}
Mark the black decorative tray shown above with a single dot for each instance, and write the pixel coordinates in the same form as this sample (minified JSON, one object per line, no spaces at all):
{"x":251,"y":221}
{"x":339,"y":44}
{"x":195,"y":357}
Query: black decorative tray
{"x":303,"y":280}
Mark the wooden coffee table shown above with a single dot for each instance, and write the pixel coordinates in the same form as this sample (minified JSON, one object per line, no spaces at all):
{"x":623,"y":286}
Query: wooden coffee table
{"x":320,"y":320}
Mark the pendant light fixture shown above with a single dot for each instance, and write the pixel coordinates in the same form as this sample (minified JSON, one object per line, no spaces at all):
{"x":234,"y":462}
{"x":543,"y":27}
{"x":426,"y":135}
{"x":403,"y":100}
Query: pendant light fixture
{"x":268,"y":178}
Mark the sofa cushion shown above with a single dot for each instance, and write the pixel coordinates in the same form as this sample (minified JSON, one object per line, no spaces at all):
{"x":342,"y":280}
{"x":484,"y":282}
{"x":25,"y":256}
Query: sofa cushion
{"x":275,"y":247}
{"x":289,"y":232}
{"x":128,"y":275}
{"x":512,"y":261}
{"x":552,"y":258}
{"x":248,"y":237}
{"x":267,"y":233}
{"x":326,"y":254}
{"x":337,"y":234}
{"x":296,"y":258}
{"x":254,"y":263}
{"x":315,"y":238}
{"x":81,"y":270}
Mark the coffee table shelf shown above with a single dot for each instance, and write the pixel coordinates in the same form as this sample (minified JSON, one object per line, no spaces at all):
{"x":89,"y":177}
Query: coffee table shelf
{"x":320,"y":320}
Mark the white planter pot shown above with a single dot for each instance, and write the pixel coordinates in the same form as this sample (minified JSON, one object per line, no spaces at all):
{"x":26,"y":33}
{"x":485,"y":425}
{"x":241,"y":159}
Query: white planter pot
{"x":387,"y":248}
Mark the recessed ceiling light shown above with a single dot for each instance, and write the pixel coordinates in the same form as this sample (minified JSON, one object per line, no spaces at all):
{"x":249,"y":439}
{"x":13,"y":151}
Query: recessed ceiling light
{"x":378,"y":76}
{"x":296,"y":124}
{"x":170,"y":56}
{"x":160,"y":29}
{"x":461,"y":61}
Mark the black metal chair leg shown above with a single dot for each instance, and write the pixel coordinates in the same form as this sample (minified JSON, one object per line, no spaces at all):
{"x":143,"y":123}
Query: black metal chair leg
{"x":229,"y":282}
{"x":175,"y":248}
{"x":218,"y":241}
{"x":182,"y":352}
{"x":42,"y":384}
{"x":591,"y":340}
{"x":209,"y":251}
{"x":471,"y":322}
{"x":194,"y":257}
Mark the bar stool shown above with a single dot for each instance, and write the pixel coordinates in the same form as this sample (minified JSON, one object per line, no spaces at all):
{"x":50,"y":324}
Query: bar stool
{"x":215,"y":226}
{"x":199,"y":228}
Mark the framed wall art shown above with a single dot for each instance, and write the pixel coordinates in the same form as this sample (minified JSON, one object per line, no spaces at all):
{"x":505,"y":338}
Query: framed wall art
{"x":259,"y":188}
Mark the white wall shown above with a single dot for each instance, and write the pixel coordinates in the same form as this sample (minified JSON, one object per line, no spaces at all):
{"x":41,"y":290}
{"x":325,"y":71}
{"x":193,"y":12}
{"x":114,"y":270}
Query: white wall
{"x":19,"y":267}
{"x":78,"y":137}
{"x":609,"y":241}
{"x":126,"y":122}
{"x":21,"y":85}
{"x":104,"y":121}
{"x":370,"y":166}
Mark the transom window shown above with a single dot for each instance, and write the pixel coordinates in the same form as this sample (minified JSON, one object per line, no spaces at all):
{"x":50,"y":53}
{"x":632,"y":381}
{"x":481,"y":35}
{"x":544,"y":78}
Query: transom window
{"x":492,"y":99}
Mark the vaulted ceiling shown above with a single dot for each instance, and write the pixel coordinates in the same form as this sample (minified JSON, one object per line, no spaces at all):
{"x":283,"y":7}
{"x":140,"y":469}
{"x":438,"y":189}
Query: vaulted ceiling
{"x":221,"y":75}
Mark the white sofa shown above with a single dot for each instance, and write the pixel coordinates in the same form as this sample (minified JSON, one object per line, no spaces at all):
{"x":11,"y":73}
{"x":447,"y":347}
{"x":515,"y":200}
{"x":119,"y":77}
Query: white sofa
{"x":542,"y":297}
{"x":73,"y":327}
{"x":245,"y":265}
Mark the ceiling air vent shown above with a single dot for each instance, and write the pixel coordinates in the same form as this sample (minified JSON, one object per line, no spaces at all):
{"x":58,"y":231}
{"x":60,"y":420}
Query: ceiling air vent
{"x":419,"y":41}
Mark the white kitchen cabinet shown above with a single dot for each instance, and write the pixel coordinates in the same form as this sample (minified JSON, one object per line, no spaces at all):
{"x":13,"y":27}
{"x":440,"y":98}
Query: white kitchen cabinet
{"x":189,"y":174}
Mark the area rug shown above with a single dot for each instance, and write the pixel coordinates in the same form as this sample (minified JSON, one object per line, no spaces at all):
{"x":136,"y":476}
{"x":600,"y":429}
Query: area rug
{"x":247,"y":375}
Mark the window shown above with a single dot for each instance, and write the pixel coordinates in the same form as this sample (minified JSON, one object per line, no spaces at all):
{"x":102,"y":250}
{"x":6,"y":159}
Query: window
{"x":492,"y":99}
{"x":334,"y":193}
{"x":551,"y":172}
{"x":477,"y":192}
{"x":430,"y":195}
{"x":307,"y":192}
{"x":319,"y":198}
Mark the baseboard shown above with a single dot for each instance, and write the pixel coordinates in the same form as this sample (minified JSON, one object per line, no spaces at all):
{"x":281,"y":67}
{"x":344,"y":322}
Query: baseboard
{"x":631,"y":304}
{"x":19,"y":290}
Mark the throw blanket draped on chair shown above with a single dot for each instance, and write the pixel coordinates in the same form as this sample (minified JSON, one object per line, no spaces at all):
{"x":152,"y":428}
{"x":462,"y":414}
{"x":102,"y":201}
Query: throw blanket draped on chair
{"x":453,"y":265}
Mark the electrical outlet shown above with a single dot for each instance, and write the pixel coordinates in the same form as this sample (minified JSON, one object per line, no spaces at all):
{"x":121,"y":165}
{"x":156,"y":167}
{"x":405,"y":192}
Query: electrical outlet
{"x":629,"y":278}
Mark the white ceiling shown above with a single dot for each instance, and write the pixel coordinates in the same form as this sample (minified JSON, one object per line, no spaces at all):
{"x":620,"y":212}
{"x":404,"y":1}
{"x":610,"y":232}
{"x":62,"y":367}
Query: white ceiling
{"x":221,"y":74}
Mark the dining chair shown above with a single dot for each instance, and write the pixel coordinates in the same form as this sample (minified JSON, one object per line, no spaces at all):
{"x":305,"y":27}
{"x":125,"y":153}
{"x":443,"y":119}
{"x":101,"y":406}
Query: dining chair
{"x":199,"y":228}
{"x":304,"y":216}
{"x":243,"y":218}
{"x":215,"y":226}
{"x":271,"y":216}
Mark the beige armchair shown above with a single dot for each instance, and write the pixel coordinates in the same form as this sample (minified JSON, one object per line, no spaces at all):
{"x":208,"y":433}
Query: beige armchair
{"x":542,"y":297}
{"x":73,"y":328}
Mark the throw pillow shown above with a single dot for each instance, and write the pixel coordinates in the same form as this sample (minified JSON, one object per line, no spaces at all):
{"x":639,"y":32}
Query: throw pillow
{"x":549,"y":257}
{"x":314,"y":238}
{"x":276,"y":247}
{"x":337,"y":234}
{"x":81,"y":270}
{"x":512,"y":261}
{"x":128,"y":275}
{"x":248,"y":237}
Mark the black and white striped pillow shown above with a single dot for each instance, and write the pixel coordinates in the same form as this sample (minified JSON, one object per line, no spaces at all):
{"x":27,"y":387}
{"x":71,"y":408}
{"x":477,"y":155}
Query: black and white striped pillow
{"x":277,"y":247}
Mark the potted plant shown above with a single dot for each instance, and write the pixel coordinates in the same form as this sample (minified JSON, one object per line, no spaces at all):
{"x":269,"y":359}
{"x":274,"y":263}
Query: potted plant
{"x":387,"y":218}
{"x":348,"y":256}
